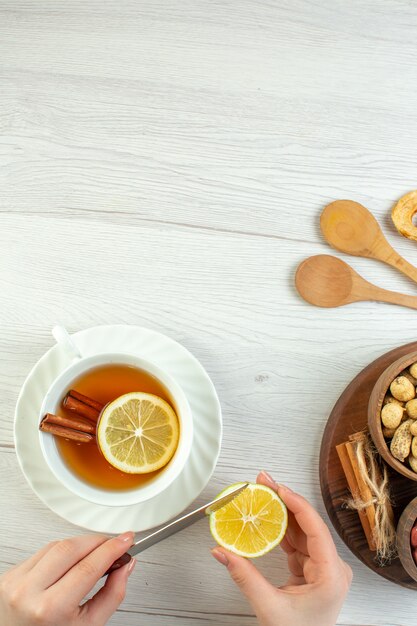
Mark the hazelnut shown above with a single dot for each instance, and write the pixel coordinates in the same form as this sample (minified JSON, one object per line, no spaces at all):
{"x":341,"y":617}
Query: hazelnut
{"x":402,"y":389}
{"x":388,"y":399}
{"x":411,"y":378}
{"x":391,"y":415}
{"x":411,"y":408}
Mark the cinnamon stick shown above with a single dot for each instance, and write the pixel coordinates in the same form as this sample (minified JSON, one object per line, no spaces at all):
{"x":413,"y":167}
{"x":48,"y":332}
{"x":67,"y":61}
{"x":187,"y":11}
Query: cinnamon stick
{"x":361,"y":436}
{"x":364,"y":491}
{"x":68,"y":433}
{"x":82,"y":405}
{"x":86,"y":400}
{"x":82,"y":426}
{"x":75,"y":423}
{"x":354,"y":488}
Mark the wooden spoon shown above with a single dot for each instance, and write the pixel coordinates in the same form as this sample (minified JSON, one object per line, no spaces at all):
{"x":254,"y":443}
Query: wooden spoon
{"x":350,"y":227}
{"x":327,"y":281}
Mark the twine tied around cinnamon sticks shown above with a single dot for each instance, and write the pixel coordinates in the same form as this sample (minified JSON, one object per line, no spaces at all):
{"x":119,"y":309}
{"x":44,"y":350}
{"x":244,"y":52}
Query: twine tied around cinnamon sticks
{"x":369,"y":487}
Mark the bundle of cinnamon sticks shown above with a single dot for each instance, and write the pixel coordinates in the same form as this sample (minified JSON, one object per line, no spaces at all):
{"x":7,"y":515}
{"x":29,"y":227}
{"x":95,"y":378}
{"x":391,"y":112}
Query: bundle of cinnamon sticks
{"x":369,"y":487}
{"x":358,"y":488}
{"x":81,"y":426}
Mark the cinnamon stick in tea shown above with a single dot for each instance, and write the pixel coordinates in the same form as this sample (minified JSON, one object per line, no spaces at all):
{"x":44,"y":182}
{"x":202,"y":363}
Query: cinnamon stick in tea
{"x":82,"y":405}
{"x":75,"y":423}
{"x":68,"y":433}
{"x":86,"y":400}
{"x":82,"y":426}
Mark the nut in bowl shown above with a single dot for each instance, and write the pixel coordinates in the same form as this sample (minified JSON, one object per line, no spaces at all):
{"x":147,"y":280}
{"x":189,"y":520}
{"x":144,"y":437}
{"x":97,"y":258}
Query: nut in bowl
{"x":111,"y":456}
{"x":392,"y":415}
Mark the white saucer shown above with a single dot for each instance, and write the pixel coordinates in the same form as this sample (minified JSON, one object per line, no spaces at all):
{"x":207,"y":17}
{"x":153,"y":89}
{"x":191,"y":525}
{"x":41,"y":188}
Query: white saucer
{"x":205,"y":407}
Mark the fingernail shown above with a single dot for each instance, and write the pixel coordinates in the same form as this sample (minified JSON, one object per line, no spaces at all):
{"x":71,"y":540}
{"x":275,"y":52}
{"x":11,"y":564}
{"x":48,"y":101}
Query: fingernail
{"x":131,"y":566}
{"x":127,"y":537}
{"x":220,"y":556}
{"x":269,"y":478}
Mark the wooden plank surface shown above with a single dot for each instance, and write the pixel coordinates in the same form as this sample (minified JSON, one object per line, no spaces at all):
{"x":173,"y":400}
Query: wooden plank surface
{"x":165,"y":164}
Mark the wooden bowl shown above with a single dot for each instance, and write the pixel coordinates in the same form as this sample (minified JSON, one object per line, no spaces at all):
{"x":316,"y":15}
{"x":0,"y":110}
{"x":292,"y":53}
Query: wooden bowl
{"x":405,"y":524}
{"x":374,"y":413}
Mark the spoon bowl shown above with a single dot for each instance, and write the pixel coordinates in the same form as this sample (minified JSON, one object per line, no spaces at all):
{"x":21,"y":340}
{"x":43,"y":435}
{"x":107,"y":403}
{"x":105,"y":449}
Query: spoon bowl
{"x":351,"y":228}
{"x":324,"y":281}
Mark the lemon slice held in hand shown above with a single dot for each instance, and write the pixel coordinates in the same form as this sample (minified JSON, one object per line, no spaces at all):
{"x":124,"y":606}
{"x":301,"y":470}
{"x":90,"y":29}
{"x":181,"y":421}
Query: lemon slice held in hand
{"x":138,"y":433}
{"x":252,"y":524}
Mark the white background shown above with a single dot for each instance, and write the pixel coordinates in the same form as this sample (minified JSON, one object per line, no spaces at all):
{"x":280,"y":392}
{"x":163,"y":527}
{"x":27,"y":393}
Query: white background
{"x":165,"y":164}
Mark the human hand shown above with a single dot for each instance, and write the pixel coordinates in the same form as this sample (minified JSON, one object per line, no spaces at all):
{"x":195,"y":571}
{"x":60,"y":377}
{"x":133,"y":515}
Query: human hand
{"x":48,"y":588}
{"x":319,"y":580}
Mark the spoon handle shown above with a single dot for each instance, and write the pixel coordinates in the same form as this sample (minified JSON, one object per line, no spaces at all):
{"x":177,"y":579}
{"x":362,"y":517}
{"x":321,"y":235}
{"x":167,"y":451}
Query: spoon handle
{"x":392,"y":297}
{"x":399,"y":263}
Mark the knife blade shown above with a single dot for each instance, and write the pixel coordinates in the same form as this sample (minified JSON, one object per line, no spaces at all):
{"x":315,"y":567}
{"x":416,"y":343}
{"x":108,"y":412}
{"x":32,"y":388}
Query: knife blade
{"x":175,"y":526}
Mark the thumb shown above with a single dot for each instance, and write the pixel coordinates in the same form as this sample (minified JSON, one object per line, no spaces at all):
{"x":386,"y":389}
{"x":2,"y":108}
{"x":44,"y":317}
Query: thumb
{"x":250,"y":581}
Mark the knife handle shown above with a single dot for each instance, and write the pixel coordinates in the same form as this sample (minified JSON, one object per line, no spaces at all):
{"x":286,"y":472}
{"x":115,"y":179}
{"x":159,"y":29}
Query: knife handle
{"x":122,"y":560}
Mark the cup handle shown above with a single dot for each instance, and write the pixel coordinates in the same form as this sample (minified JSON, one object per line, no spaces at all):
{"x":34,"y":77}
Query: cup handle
{"x":63,"y":338}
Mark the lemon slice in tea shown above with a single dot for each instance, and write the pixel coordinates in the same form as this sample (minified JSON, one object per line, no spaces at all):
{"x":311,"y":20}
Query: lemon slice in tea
{"x":138,"y":433}
{"x":252,"y":524}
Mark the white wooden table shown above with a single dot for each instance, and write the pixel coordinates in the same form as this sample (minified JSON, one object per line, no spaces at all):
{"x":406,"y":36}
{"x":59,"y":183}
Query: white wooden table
{"x":165,"y":164}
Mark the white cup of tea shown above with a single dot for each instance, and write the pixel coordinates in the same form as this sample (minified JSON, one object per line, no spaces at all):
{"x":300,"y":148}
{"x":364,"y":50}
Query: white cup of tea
{"x":67,"y":380}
